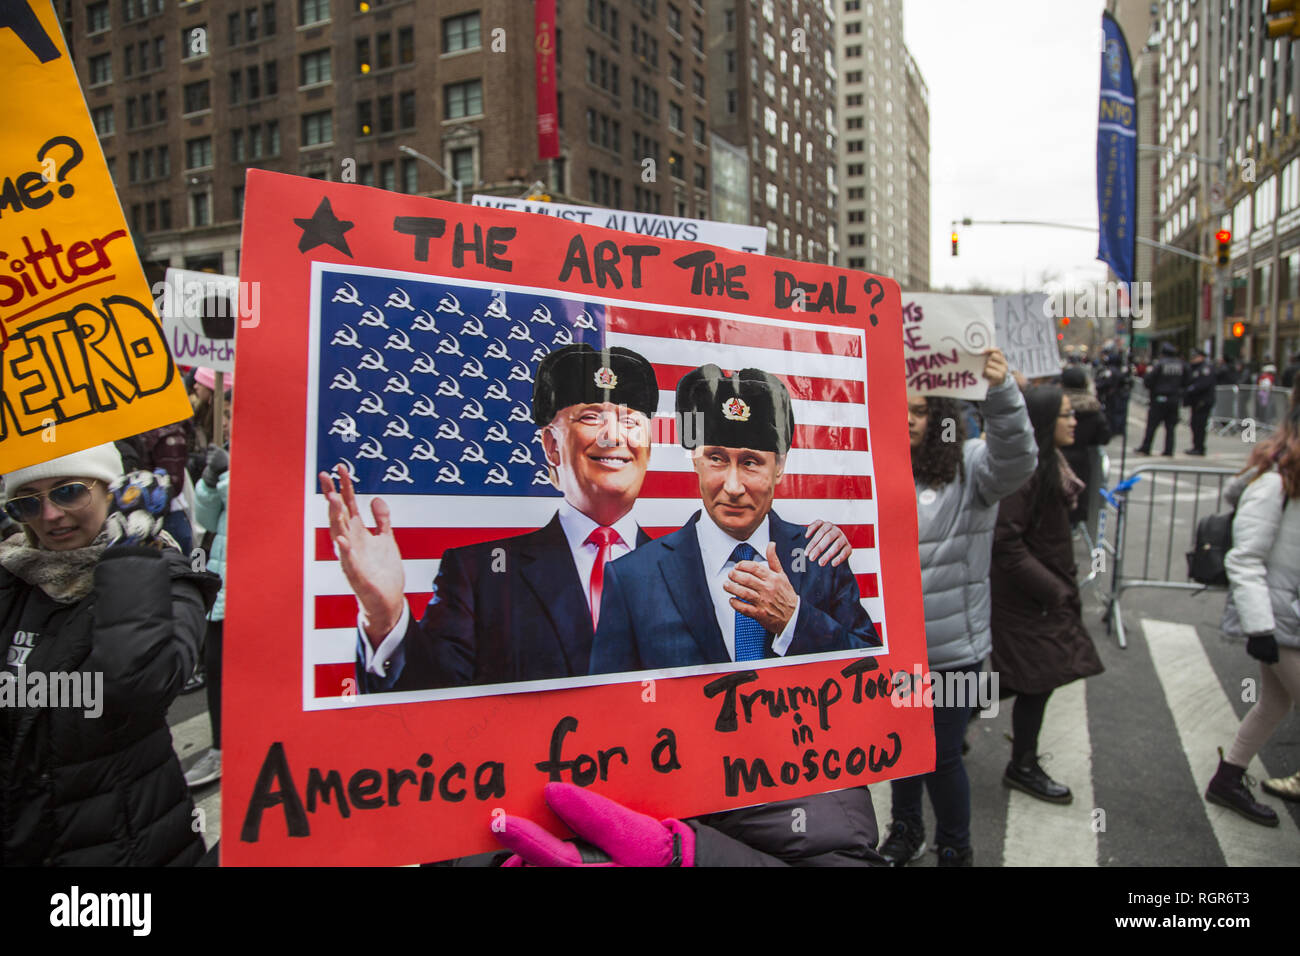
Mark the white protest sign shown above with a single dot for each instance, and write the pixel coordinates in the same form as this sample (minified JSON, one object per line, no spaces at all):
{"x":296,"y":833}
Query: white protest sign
{"x":729,"y":235}
{"x":944,"y":338}
{"x":1027,"y":334}
{"x":199,"y":311}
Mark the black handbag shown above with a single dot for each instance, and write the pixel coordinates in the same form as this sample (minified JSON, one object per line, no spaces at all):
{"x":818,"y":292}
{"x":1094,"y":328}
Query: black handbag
{"x":1212,"y":543}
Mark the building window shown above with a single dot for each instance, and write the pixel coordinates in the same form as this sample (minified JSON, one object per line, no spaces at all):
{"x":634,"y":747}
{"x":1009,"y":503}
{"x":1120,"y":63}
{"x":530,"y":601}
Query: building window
{"x":317,"y":128}
{"x":363,"y":55}
{"x":698,"y":125}
{"x":313,"y":11}
{"x":385,"y":114}
{"x":410,"y":176}
{"x":103,"y":119}
{"x":384,"y":50}
{"x":462,"y":99}
{"x":406,"y":110}
{"x":97,"y":19}
{"x":406,"y":45}
{"x":198,"y":152}
{"x":197,"y":96}
{"x":200,"y":209}
{"x":675,"y":117}
{"x":462,"y":165}
{"x":365,"y":119}
{"x":853,"y":51}
{"x":388,"y":175}
{"x":194,"y":41}
{"x":676,"y":167}
{"x":675,"y":67}
{"x":101,"y":69}
{"x":315,"y":68}
{"x":674,"y":19}
{"x":701,"y":177}
{"x":237,"y":153}
{"x":461,"y":33}
{"x":697,"y":40}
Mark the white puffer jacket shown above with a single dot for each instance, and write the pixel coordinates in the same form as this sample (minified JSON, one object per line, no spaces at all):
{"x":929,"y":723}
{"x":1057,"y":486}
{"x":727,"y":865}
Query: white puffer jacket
{"x":955,"y":530}
{"x":1264,"y":563}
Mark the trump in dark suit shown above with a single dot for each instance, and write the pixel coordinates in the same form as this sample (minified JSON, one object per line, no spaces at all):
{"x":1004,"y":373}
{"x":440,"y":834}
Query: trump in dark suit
{"x":732,"y":584}
{"x":519,"y":608}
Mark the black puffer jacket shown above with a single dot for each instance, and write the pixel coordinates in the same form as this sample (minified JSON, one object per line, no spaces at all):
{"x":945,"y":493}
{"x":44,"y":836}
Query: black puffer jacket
{"x":107,"y":790}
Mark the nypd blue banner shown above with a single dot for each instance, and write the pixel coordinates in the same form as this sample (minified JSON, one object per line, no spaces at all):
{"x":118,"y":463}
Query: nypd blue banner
{"x":1116,"y":155}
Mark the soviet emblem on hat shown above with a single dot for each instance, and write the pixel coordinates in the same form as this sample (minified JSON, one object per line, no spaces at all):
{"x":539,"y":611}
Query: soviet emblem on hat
{"x":581,"y":375}
{"x":748,"y":409}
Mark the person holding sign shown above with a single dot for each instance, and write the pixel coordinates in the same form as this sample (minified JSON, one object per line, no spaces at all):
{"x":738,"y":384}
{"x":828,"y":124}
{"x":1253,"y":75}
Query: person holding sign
{"x":101,"y":617}
{"x":959,"y":484}
{"x":717,"y":590}
{"x":521,"y":608}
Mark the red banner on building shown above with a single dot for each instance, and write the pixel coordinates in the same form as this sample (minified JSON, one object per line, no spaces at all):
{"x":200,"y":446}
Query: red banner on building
{"x":548,"y":124}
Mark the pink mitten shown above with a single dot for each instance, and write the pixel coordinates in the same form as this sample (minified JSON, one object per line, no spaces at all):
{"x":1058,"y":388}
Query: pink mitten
{"x":629,"y":838}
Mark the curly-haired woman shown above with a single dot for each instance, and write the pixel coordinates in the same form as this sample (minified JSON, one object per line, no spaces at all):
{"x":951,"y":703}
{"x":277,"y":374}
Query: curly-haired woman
{"x":958,"y":486}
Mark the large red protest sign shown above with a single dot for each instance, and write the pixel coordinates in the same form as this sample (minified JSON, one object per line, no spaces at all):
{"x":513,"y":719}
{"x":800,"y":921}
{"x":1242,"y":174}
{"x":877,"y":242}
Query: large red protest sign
{"x":403,"y":340}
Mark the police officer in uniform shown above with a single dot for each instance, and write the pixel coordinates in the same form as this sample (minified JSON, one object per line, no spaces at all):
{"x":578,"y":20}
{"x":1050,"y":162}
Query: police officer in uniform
{"x":1199,"y":397}
{"x":1166,"y":381}
{"x":1113,"y":386}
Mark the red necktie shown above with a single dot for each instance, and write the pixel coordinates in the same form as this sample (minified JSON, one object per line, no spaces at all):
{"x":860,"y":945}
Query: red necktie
{"x":603,"y":538}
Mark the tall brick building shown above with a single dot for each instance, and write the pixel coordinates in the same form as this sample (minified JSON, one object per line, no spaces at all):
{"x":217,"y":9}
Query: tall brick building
{"x":187,"y":95}
{"x":772,"y":92}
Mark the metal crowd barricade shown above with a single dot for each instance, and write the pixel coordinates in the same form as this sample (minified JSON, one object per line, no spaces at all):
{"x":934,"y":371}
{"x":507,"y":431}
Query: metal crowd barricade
{"x":1162,"y":511}
{"x":1224,"y":419}
{"x":1237,"y":405}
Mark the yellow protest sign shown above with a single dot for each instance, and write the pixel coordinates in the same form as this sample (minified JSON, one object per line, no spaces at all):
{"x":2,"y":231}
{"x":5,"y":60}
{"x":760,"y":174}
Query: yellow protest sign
{"x":83,"y":359}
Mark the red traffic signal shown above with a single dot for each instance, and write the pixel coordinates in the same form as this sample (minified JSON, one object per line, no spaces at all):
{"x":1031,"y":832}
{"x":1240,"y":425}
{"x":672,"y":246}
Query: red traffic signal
{"x":954,"y":243}
{"x":1225,"y":243}
{"x":1065,"y":322}
{"x":1238,"y":329}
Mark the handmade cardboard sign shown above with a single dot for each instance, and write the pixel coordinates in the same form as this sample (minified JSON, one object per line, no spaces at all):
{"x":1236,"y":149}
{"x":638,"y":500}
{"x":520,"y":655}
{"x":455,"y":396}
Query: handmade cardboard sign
{"x":200,"y":313}
{"x":551,"y":429}
{"x":82,"y":354}
{"x":944,"y":340}
{"x":729,"y":234}
{"x":1027,"y":334}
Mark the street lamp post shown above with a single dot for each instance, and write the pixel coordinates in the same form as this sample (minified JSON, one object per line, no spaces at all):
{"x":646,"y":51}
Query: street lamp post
{"x":450,"y":178}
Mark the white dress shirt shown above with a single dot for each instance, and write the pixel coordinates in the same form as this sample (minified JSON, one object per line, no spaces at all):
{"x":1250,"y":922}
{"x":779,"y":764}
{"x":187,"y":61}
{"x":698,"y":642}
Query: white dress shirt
{"x":715,"y":550}
{"x":576,"y":526}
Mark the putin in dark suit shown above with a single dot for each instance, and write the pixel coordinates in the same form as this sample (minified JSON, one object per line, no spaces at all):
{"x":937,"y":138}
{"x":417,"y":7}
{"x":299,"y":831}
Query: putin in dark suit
{"x":730,"y":585}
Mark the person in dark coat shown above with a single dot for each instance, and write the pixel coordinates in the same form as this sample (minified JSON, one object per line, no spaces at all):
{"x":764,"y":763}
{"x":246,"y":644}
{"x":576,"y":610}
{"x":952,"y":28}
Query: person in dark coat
{"x":1091,"y":430}
{"x":1113,"y":386}
{"x":1199,"y":397}
{"x":95,"y":597}
{"x":1166,"y":382}
{"x":1039,"y":641}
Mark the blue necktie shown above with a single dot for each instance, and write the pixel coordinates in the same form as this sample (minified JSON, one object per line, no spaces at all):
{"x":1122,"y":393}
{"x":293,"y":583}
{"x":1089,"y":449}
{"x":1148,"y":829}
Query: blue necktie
{"x":751,"y":638}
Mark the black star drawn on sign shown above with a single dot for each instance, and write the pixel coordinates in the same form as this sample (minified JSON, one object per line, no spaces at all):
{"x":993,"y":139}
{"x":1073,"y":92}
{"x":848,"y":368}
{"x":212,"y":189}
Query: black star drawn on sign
{"x":324,"y":229}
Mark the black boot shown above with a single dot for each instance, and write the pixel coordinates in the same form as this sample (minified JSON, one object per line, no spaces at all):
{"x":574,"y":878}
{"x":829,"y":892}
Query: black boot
{"x":1230,"y":788}
{"x":951,"y":856}
{"x":905,"y":843}
{"x":1028,"y":776}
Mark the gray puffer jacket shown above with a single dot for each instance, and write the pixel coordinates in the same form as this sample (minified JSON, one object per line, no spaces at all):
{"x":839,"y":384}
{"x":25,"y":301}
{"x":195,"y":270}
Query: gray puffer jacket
{"x":955,"y":528}
{"x":1264,"y":563}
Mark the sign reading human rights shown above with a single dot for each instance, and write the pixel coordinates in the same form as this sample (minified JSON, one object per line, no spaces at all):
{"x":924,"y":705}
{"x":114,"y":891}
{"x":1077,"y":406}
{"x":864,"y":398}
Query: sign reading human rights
{"x":82,"y":355}
{"x":944,"y":341}
{"x":559,"y":503}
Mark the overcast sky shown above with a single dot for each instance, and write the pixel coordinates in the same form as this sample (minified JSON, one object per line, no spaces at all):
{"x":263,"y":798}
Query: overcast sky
{"x":1013,"y":90}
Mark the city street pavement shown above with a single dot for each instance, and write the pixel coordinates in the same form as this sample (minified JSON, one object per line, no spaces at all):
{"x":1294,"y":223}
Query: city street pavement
{"x":1136,"y":744}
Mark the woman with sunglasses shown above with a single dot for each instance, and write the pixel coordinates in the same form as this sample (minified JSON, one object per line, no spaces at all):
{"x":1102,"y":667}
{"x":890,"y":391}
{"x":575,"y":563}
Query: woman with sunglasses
{"x":94,"y":594}
{"x":1039,"y":641}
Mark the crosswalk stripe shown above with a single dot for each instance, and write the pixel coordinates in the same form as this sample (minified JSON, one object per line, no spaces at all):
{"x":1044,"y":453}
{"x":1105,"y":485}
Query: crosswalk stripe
{"x":1046,"y":834}
{"x":1205,"y":718}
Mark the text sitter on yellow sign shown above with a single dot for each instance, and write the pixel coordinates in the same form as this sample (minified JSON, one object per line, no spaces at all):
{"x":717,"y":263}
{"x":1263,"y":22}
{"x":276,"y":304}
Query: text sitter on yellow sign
{"x":82,"y":354}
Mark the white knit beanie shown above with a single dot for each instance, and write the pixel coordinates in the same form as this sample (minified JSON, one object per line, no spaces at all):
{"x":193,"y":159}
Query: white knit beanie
{"x":102,"y":462}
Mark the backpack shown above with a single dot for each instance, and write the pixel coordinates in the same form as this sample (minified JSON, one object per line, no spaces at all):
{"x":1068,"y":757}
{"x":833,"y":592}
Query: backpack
{"x":1211,"y":545}
{"x":1213,"y":541}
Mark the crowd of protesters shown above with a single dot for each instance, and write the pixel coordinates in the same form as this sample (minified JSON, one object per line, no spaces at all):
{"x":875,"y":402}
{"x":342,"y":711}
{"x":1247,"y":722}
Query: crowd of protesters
{"x":135,"y":532}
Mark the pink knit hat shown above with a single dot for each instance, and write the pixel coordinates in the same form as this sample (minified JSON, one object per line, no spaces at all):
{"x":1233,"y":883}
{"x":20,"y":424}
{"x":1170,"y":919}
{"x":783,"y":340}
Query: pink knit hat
{"x":208,"y":379}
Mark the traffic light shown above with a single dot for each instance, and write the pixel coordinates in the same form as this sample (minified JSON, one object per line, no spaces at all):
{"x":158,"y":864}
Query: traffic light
{"x":1284,"y":26}
{"x":1065,"y":322}
{"x":954,"y":243}
{"x":1238,"y":329}
{"x":1225,"y":243}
